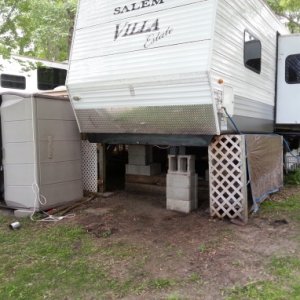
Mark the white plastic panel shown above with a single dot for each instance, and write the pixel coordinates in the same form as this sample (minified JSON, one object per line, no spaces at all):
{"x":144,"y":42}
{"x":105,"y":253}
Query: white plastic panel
{"x":18,"y":131}
{"x":61,"y":193}
{"x":60,"y":172}
{"x":60,"y":110}
{"x":18,"y":153}
{"x":21,"y":109}
{"x":57,"y":130}
{"x":62,"y":151}
{"x":288,"y":96}
{"x":19,"y":175}
{"x":19,"y":196}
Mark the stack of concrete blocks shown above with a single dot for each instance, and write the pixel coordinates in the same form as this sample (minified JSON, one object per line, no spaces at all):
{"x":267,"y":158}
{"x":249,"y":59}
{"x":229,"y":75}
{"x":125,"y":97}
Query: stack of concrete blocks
{"x":140,"y":161}
{"x":182,"y":184}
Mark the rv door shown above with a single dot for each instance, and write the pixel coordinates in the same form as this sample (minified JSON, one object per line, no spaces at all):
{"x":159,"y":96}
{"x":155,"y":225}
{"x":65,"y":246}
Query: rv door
{"x":288,"y":93}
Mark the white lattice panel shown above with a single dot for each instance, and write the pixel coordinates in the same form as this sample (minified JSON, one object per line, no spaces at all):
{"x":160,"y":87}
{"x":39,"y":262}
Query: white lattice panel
{"x":89,"y":166}
{"x":228,"y":178}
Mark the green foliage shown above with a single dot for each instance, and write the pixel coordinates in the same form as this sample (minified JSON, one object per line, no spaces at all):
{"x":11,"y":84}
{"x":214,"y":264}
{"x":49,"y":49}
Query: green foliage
{"x":161,"y":283}
{"x":293,"y":178}
{"x":38,"y":28}
{"x":202,"y":248}
{"x":284,"y":286}
{"x":174,"y":296}
{"x":289,"y":10}
{"x":290,"y":205}
{"x":262,"y":290}
{"x":285,"y":266}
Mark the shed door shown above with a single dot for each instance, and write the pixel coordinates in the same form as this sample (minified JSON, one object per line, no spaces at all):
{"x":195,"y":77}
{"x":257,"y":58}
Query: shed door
{"x":288,"y":94}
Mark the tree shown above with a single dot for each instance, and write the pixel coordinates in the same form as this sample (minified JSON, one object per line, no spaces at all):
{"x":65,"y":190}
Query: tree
{"x":289,"y":10}
{"x":9,"y":15}
{"x":37,"y":28}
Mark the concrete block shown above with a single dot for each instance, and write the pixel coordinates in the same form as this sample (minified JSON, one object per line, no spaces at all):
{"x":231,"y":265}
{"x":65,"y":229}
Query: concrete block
{"x":137,"y":160}
{"x":186,"y":164}
{"x":183,"y":187}
{"x":172,"y":164}
{"x":153,"y":169}
{"x":182,"y":180}
{"x":22,"y":213}
{"x":140,"y":155}
{"x":182,"y":164}
{"x":184,"y":194}
{"x":179,"y":205}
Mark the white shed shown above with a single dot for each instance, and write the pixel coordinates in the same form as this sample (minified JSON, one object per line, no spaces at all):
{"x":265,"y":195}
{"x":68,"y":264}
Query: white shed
{"x":41,"y":151}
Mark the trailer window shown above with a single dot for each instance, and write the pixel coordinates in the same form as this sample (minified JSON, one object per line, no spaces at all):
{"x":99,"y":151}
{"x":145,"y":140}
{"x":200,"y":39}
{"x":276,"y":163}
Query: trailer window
{"x":50,"y":78}
{"x":252,"y":52}
{"x":292,"y":69}
{"x":13,"y":82}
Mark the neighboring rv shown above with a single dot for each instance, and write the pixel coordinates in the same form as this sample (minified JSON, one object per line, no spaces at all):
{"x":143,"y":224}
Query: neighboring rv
{"x":24,"y":74}
{"x":288,"y":96}
{"x":177,"y":69}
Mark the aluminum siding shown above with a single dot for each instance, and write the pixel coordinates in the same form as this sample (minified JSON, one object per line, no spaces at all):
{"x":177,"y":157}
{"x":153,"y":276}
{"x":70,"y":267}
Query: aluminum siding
{"x":254,"y":94}
{"x":109,"y":72}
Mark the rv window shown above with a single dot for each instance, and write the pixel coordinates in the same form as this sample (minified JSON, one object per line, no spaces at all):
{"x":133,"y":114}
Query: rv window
{"x":252,"y":52}
{"x":13,"y":82}
{"x":50,"y":78}
{"x":292,"y":69}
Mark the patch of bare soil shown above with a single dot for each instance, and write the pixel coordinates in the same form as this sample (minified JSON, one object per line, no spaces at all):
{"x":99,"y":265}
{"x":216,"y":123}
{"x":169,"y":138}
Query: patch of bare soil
{"x":204,"y":256}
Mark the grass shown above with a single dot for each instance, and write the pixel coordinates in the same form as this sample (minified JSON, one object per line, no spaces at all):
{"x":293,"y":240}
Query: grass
{"x":63,"y":262}
{"x":174,"y":296}
{"x":284,"y":270}
{"x":35,"y":261}
{"x":285,"y":285}
{"x":290,"y":205}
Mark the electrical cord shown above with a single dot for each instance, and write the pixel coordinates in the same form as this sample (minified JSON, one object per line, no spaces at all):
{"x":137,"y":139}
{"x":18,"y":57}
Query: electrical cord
{"x":162,"y":148}
{"x":231,"y":120}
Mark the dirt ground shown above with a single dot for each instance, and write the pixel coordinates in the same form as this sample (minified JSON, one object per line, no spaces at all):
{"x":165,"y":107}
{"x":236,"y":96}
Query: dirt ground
{"x":196,"y":256}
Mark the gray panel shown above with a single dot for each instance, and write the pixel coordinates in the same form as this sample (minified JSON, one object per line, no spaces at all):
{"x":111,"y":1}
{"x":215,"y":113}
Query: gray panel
{"x":18,"y":131}
{"x":19,"y":196}
{"x":190,"y":119}
{"x":60,"y":172}
{"x":57,"y":130}
{"x":151,"y":139}
{"x":60,"y":110}
{"x":18,"y":109}
{"x":253,"y":109}
{"x":60,"y":193}
{"x":59,"y":151}
{"x":250,"y":125}
{"x":19,"y":175}
{"x":19,"y":153}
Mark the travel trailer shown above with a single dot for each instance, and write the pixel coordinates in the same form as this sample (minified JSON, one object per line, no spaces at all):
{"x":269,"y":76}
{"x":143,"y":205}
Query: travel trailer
{"x":28,"y":75}
{"x":144,"y":69}
{"x":209,"y":73}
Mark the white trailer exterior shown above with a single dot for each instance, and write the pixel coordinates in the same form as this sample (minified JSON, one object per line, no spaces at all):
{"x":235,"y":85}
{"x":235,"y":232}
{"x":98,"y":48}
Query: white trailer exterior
{"x":29,"y":75}
{"x":288,"y":95}
{"x":168,"y":67}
